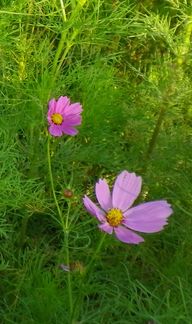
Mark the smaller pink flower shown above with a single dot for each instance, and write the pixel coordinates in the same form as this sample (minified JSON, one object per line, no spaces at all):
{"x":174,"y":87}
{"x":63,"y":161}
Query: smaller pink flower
{"x":63,"y":117}
{"x":115,"y":214}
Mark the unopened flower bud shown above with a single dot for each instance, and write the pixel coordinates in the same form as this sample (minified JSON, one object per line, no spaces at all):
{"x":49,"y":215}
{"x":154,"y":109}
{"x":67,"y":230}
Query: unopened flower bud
{"x":67,"y":193}
{"x":78,"y":267}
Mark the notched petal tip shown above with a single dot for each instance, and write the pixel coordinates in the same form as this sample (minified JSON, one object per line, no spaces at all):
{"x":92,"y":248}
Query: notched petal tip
{"x":62,"y":103}
{"x":126,"y":189}
{"x":149,"y":217}
{"x":167,"y":206}
{"x":63,"y":100}
{"x":73,"y":110}
{"x":51,"y":107}
{"x":51,"y":102}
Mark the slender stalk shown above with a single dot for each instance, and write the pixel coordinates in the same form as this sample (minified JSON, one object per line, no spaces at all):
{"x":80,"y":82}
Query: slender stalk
{"x":66,"y":42}
{"x":70,"y":296}
{"x":63,"y":10}
{"x":90,"y":264}
{"x":64,"y":227}
{"x":156,"y":132}
{"x":86,"y":277}
{"x":51,"y":180}
{"x":60,"y":48}
{"x":57,"y":63}
{"x":68,"y":260}
{"x":68,"y":46}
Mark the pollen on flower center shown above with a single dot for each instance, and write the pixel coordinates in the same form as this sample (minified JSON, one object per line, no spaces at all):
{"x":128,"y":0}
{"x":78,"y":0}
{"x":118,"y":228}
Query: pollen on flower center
{"x":114,"y":217}
{"x":57,"y":119}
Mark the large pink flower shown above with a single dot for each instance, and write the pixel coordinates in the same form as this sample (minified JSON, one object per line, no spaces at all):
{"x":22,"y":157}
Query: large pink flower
{"x":63,"y":117}
{"x":115,"y":214}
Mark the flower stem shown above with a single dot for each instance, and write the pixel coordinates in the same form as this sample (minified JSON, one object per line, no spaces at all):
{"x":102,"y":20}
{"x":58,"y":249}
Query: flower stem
{"x":64,"y":227}
{"x":156,"y":132}
{"x":68,"y":260}
{"x":86,"y":277}
{"x":90,"y":264}
{"x":63,"y":11}
{"x":70,"y":296}
{"x":51,"y":179}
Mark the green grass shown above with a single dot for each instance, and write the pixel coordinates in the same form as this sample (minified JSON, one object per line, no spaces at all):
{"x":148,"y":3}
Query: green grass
{"x":128,"y":63}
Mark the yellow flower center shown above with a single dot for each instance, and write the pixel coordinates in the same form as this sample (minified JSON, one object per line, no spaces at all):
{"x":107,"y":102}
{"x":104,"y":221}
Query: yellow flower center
{"x":114,"y":217}
{"x":57,"y":119}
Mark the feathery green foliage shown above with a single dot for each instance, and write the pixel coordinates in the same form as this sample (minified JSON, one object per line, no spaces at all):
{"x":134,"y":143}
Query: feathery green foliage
{"x":129,"y":63}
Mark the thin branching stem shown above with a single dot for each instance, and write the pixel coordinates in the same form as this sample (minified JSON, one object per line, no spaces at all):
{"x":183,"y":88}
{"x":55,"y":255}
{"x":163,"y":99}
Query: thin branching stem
{"x":156,"y":132}
{"x":51,"y":180}
{"x":69,"y":285}
{"x":64,"y":226}
{"x":86,"y":278}
{"x":68,"y":260}
{"x":63,"y":11}
{"x":98,"y":249}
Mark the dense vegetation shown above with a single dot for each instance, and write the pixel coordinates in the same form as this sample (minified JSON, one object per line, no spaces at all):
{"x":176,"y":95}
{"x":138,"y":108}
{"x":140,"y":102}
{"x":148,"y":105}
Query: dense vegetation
{"x":129,"y":63}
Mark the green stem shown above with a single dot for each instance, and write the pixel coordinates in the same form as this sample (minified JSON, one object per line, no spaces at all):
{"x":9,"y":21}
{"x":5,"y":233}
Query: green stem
{"x":85,"y":276}
{"x":51,"y":180}
{"x":58,"y":53}
{"x":66,"y":43}
{"x":68,"y":260}
{"x":90,"y":264}
{"x":63,"y":11}
{"x":70,"y":296}
{"x":68,"y":46}
{"x":64,"y":227}
{"x":155,"y":134}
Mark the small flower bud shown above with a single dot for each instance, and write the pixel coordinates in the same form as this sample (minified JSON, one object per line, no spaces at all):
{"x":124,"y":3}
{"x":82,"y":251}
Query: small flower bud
{"x":67,"y":193}
{"x":78,"y":267}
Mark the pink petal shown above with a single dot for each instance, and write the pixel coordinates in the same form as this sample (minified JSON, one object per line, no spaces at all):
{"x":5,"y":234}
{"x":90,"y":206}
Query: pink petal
{"x":51,"y":110}
{"x":93,"y":209}
{"x":148,"y":217}
{"x":52,"y":106}
{"x":73,"y":109}
{"x":49,"y":119}
{"x":72,"y":120}
{"x":69,"y":130}
{"x":127,"y":236}
{"x":55,"y":130}
{"x":126,"y":189}
{"x":106,"y":228}
{"x":103,"y":194}
{"x":62,"y":103}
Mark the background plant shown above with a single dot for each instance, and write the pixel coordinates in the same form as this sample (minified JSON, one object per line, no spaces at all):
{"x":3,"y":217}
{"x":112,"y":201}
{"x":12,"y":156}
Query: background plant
{"x":126,"y":62}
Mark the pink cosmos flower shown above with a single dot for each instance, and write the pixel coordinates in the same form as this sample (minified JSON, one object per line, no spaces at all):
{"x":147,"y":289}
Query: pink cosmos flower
{"x":115,"y":214}
{"x":63,"y":116}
